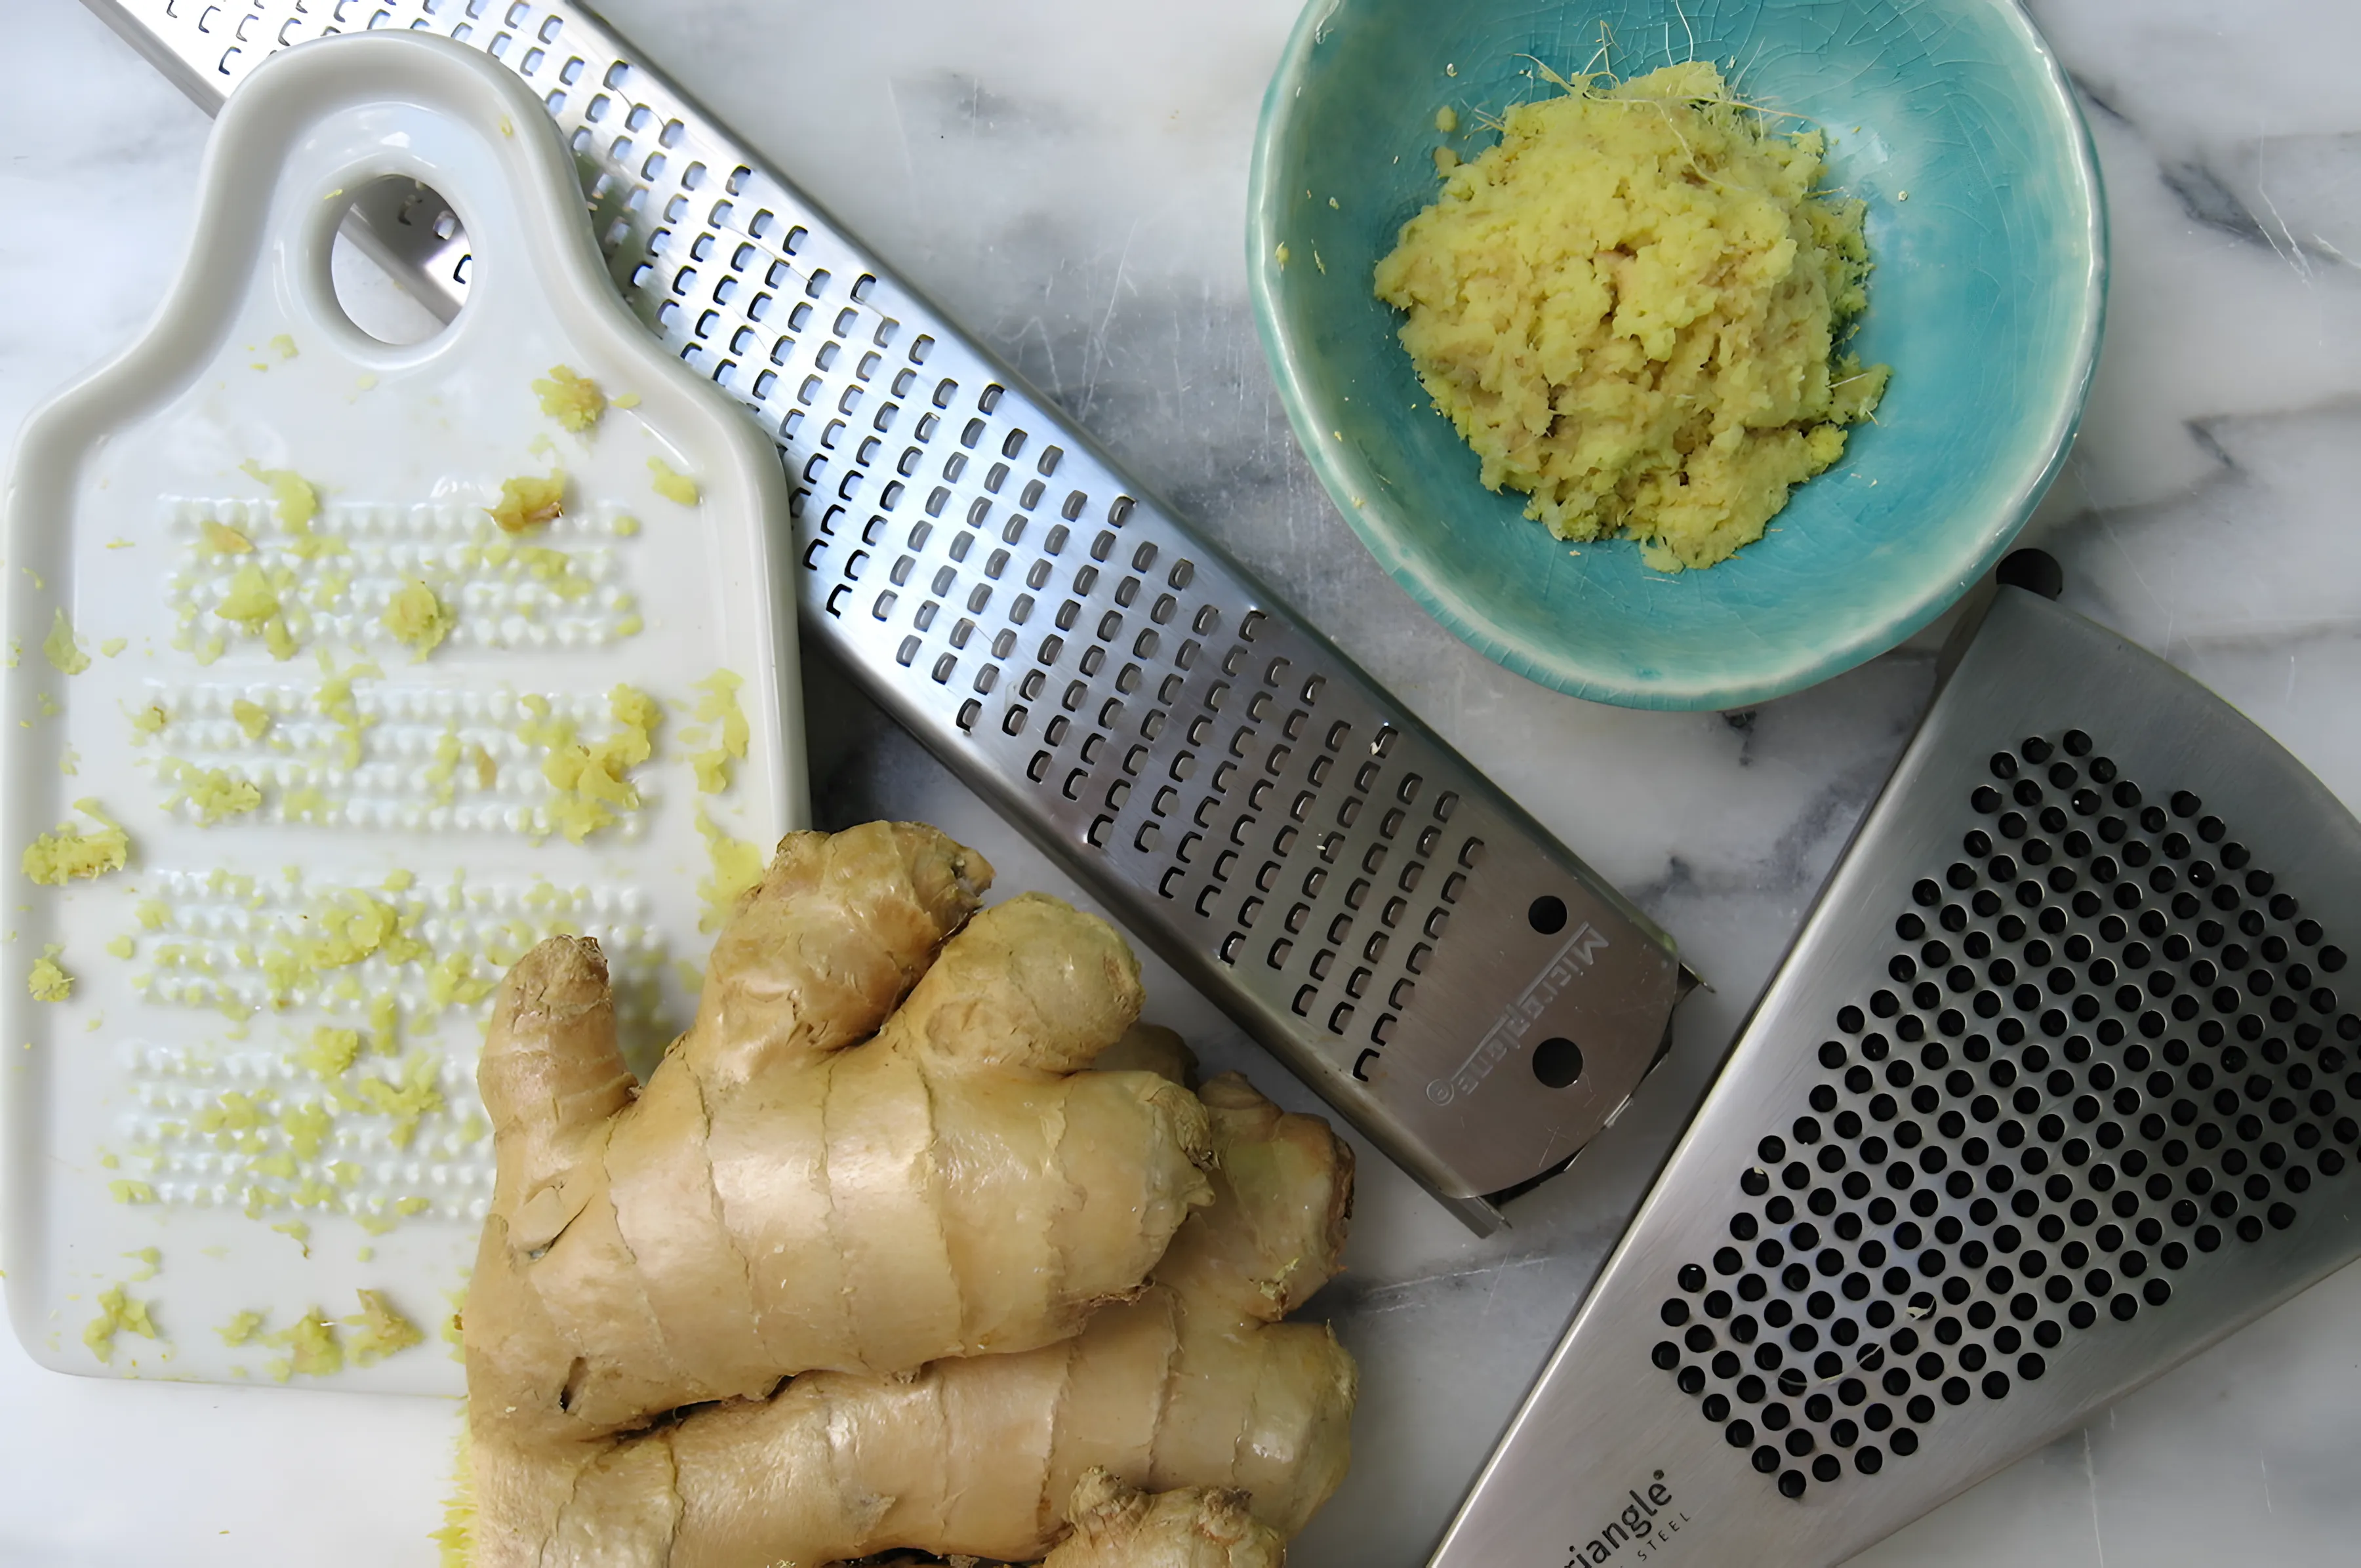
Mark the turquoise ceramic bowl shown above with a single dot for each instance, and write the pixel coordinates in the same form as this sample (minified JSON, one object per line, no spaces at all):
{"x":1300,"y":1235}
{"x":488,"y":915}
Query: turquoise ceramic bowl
{"x":1987,"y":299}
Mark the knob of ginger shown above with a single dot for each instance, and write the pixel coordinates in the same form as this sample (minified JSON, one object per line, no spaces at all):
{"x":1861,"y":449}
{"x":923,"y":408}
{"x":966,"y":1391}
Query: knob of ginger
{"x":871,"y":1151}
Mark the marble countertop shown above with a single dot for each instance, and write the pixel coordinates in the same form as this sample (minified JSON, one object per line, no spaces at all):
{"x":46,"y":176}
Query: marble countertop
{"x":1067,"y":179}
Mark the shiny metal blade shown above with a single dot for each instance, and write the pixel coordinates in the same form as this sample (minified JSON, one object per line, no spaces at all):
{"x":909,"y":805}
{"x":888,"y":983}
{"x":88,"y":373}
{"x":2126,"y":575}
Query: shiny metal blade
{"x":2055,"y":1089}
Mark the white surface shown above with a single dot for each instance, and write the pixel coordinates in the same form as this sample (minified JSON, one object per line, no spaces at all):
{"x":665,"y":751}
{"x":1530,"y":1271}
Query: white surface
{"x":253,"y":358}
{"x":1068,"y":180}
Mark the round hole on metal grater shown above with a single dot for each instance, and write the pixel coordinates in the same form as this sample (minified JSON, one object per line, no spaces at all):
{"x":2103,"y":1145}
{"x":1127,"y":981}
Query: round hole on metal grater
{"x":2131,"y":1060}
{"x":1557,"y":1061}
{"x":1547,"y":915}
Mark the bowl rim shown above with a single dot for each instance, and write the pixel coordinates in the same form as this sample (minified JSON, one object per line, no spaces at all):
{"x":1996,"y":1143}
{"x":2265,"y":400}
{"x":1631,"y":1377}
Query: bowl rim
{"x":1350,"y":483}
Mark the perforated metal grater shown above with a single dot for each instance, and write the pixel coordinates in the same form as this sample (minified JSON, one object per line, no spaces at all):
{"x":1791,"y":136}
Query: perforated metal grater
{"x":2055,"y":1089}
{"x":1470,"y":995}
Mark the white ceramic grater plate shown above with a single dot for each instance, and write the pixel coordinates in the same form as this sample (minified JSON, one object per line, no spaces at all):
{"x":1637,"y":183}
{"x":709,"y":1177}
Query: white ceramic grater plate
{"x":407,"y":841}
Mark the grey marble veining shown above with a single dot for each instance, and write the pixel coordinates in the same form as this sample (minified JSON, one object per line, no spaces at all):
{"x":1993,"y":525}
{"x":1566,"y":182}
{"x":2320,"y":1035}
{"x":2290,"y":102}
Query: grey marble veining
{"x":1067,"y":181}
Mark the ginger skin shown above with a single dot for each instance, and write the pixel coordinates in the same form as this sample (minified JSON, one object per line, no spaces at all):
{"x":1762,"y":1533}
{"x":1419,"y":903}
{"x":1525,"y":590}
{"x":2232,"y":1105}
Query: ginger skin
{"x":789,"y":1194}
{"x":1117,"y":1526}
{"x":1195,"y":1384}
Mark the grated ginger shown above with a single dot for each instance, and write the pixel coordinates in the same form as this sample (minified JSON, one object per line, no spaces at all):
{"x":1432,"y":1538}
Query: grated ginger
{"x":311,"y":1343}
{"x":541,"y":729}
{"x":589,"y":783}
{"x":443,"y":773}
{"x":407,"y":1098}
{"x":297,"y":503}
{"x":224,"y":539}
{"x":342,"y":932}
{"x":454,"y":979}
{"x":212,"y":794}
{"x":737,"y":866}
{"x":557,"y":570}
{"x":329,"y":1052}
{"x":378,"y":1330}
{"x":671,"y":484}
{"x":61,"y":647}
{"x":233,"y":1115}
{"x":455,"y":1542}
{"x":717,"y":704}
{"x":65,"y":854}
{"x":291,"y":494}
{"x":334,"y":700}
{"x":384,"y":1024}
{"x":47,"y":981}
{"x":528,"y":502}
{"x":307,"y":1127}
{"x":118,"y":1313}
{"x":419,"y":619}
{"x":1630,"y":309}
{"x":251,"y":600}
{"x":574,"y":401}
{"x":252,"y":717}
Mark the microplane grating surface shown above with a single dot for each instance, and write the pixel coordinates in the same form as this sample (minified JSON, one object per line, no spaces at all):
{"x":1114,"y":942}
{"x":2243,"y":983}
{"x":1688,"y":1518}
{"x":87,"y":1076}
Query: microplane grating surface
{"x":2105,"y":1040}
{"x":1055,"y":629}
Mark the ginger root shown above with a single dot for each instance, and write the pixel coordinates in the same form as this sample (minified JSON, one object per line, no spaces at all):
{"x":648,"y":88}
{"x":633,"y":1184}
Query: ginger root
{"x":872,"y":1263}
{"x":1192,"y":1384}
{"x":1117,"y":1526}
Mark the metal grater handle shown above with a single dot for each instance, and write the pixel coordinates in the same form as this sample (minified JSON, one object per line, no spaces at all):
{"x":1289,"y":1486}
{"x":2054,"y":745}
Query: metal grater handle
{"x":1371,"y":909}
{"x":2056,"y":1088}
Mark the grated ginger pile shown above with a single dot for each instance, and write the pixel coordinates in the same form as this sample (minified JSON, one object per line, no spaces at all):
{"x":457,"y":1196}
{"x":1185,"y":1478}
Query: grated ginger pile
{"x":528,"y":502}
{"x":573,"y":400}
{"x":67,"y":853}
{"x":1630,"y":308}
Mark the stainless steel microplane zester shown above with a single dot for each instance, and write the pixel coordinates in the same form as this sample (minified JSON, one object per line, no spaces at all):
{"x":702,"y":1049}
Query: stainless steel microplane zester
{"x":2055,"y":1089}
{"x":1465,"y":991}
